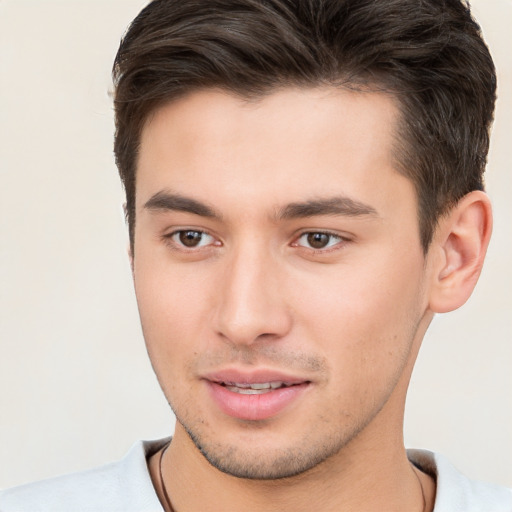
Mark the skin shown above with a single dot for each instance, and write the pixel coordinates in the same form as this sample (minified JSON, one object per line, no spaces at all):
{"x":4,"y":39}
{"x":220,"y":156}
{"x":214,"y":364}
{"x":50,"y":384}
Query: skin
{"x":347,"y":318}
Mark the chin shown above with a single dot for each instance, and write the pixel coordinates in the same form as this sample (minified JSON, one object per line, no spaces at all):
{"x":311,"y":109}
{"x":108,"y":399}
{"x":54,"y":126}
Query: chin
{"x":269,"y":460}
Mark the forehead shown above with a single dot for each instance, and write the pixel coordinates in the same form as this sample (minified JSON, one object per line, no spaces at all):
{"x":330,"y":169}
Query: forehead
{"x":331,"y":112}
{"x":279,"y":147}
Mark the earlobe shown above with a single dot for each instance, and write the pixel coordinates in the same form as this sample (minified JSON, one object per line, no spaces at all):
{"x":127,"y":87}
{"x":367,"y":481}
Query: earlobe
{"x":130,"y":255}
{"x":459,"y":247}
{"x":129,"y":247}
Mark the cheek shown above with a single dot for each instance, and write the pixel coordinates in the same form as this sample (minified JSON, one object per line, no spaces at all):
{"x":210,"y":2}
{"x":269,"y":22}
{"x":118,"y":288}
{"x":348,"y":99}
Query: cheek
{"x":174,"y":328}
{"x":363,"y":316}
{"x":173,"y":308}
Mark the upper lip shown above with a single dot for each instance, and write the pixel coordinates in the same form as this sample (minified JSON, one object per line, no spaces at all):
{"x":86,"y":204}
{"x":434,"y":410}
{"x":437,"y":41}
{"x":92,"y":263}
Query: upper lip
{"x":259,"y":376}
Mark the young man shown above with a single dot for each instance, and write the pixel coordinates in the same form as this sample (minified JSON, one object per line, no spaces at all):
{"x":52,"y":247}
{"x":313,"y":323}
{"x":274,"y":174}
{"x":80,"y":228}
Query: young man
{"x":304,"y":192}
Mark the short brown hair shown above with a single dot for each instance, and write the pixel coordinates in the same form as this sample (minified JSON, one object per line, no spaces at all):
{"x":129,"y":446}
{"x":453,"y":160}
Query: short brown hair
{"x":428,"y":53}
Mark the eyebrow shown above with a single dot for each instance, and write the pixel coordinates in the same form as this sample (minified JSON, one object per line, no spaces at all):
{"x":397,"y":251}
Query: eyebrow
{"x":166,"y":201}
{"x":340,"y":205}
{"x":329,"y":206}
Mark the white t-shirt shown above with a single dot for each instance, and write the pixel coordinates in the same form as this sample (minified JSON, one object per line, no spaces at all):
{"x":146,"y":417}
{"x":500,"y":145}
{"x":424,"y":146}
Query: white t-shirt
{"x":126,"y":486}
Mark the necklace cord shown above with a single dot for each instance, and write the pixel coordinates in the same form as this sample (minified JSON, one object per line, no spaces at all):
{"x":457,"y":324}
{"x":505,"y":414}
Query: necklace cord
{"x":162,"y":483}
{"x":424,"y":509}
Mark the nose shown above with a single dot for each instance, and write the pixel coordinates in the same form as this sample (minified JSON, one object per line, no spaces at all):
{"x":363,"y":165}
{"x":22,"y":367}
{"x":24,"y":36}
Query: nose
{"x":251,"y":303}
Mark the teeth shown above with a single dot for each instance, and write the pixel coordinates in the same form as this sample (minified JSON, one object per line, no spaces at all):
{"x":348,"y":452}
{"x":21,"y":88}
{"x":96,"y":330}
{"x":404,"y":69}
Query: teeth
{"x":254,"y":388}
{"x":247,"y":391}
{"x":263,"y":385}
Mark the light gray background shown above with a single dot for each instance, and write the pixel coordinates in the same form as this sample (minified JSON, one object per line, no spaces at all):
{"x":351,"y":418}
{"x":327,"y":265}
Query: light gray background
{"x":76,"y":387}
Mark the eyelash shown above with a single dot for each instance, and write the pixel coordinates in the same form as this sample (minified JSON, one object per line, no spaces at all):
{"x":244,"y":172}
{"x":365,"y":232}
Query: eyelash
{"x":340,"y":242}
{"x":170,"y":239}
{"x":176,"y":244}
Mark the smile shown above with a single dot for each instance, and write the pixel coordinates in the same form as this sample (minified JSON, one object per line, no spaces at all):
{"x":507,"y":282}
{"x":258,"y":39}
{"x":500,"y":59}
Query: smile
{"x":255,"y":397}
{"x":254,"y":388}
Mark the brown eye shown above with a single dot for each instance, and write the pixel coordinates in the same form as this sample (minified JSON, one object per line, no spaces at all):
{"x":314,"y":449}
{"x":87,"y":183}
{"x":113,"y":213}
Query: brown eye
{"x":192,"y":239}
{"x":318,"y":240}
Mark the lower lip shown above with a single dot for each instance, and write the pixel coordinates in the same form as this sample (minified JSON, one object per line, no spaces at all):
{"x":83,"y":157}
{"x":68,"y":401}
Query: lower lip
{"x":255,"y":407}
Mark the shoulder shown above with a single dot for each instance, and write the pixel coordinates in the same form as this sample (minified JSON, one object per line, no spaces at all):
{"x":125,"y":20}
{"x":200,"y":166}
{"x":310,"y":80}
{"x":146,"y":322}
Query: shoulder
{"x":457,"y":493}
{"x":124,"y":485}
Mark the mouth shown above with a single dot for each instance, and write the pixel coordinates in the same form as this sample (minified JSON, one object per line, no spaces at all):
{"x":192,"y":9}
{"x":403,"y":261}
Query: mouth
{"x":256,"y":388}
{"x":255,"y":396}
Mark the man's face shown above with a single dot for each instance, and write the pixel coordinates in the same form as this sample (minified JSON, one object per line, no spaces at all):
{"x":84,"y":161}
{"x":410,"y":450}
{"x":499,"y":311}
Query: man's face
{"x":279,"y":273}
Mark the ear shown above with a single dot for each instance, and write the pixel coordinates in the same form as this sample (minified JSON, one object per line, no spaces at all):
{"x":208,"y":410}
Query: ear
{"x":130,"y":255}
{"x":458,"y":250}
{"x":129,"y":250}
